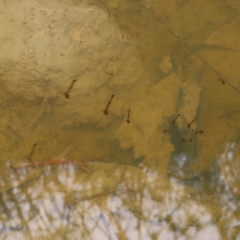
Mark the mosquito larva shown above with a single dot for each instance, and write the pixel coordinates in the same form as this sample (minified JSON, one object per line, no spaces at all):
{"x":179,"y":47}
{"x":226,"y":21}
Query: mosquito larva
{"x":189,"y":124}
{"x":173,"y":122}
{"x":31,"y":153}
{"x":223,"y":82}
{"x":200,"y":131}
{"x":70,"y":87}
{"x":109,"y":73}
{"x":105,"y":111}
{"x":128,"y":118}
{"x":191,"y":136}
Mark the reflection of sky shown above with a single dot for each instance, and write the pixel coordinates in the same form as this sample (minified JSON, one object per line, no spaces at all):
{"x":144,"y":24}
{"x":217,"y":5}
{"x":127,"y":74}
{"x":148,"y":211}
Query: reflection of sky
{"x":38,"y":209}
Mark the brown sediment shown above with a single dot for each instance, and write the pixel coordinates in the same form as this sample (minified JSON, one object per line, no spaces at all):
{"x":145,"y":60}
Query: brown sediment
{"x":54,"y":162}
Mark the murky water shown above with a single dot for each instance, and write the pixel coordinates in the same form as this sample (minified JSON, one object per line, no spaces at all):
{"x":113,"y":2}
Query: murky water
{"x":144,"y":144}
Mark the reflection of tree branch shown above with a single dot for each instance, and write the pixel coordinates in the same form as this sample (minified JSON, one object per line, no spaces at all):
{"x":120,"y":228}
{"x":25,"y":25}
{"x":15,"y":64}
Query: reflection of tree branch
{"x":19,"y":180}
{"x":165,"y":228}
{"x":105,"y":193}
{"x":101,"y":194}
{"x":121,"y":234}
{"x":79,"y":164}
{"x":107,"y":228}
